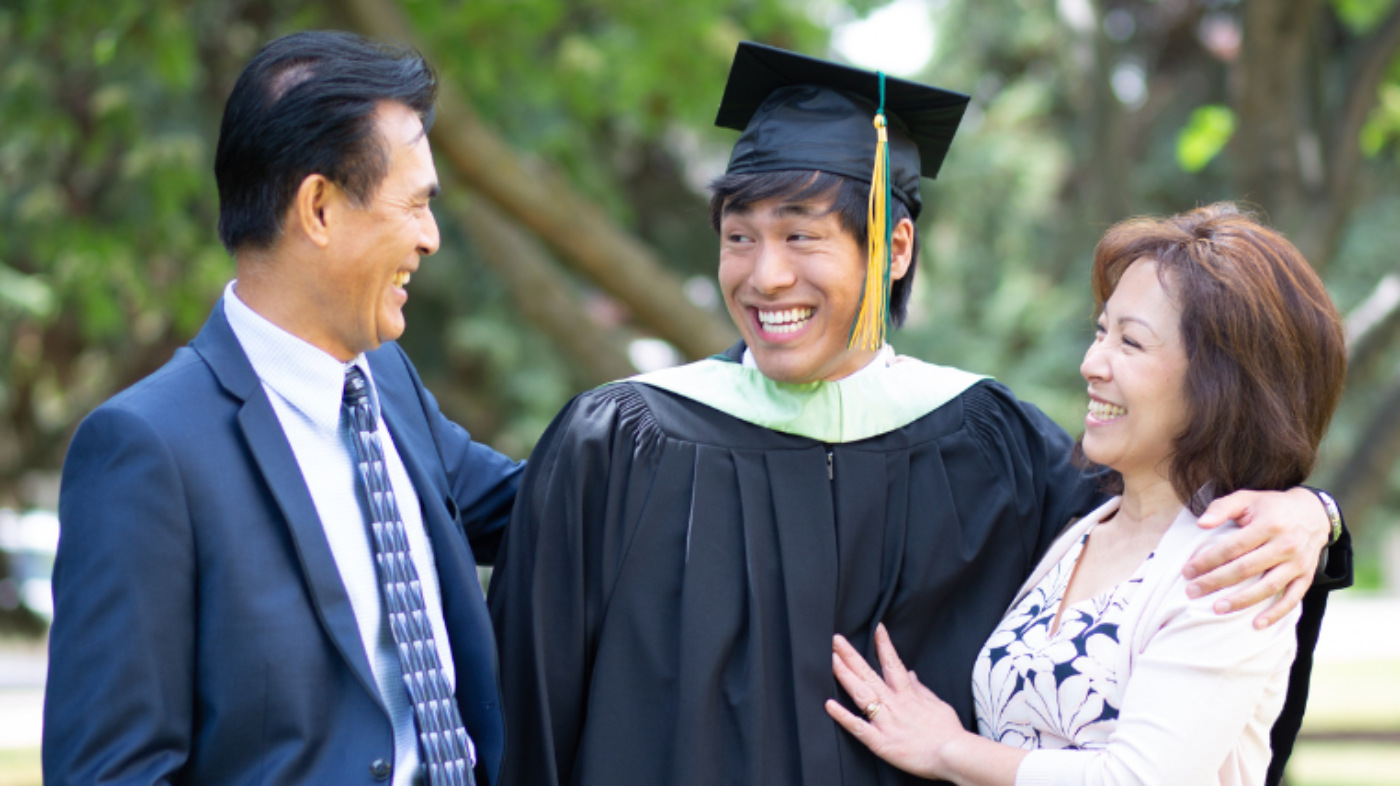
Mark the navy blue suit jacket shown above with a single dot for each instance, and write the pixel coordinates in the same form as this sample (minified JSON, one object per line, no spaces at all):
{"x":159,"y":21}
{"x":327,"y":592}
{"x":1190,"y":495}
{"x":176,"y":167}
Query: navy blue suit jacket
{"x":201,"y":630}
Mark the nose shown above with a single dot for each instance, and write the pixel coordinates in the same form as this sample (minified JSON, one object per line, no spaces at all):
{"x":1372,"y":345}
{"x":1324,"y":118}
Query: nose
{"x":1094,"y":368}
{"x":428,"y":239}
{"x":772,"y":270}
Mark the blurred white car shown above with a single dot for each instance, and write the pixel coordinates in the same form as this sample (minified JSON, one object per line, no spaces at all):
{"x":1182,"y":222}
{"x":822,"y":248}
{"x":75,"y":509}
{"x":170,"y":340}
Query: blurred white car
{"x":29,"y":542}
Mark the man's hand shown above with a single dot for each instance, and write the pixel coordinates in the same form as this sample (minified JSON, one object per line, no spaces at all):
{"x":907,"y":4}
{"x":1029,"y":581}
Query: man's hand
{"x":1281,"y":537}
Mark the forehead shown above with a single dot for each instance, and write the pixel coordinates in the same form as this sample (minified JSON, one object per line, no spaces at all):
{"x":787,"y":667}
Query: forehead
{"x":1142,"y":292}
{"x":406,"y":142}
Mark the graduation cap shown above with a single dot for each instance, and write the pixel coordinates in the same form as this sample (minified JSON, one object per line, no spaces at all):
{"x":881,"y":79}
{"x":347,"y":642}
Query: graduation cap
{"x":801,"y":113}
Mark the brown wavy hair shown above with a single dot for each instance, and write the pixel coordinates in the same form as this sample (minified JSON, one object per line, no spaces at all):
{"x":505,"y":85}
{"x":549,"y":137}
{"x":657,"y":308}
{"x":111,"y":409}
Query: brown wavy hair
{"x":1266,"y":354}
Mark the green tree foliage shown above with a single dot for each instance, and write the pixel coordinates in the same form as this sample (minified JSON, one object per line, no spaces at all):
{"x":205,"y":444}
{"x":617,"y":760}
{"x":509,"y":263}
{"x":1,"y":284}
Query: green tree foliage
{"x":1084,"y":112}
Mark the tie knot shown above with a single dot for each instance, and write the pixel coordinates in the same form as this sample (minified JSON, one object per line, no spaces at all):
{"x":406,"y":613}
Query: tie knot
{"x":356,"y":387}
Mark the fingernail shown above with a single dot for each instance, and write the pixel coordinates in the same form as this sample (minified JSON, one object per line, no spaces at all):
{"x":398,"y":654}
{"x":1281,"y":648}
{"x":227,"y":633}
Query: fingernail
{"x":1222,"y":606}
{"x":1189,"y":572}
{"x":1193,"y":591}
{"x":1261,"y":624}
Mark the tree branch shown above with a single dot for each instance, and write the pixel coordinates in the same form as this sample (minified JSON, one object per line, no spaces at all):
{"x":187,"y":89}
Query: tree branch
{"x":1363,"y":85}
{"x":584,"y":236}
{"x":1372,"y":327}
{"x":538,"y":288}
{"x":1362,"y":481}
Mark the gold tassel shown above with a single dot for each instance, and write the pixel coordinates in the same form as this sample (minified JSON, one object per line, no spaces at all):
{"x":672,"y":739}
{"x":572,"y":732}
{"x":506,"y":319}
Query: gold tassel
{"x":868,"y":331}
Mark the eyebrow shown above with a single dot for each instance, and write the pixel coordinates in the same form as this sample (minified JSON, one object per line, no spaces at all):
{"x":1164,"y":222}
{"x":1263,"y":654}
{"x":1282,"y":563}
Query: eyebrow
{"x":1139,"y":321}
{"x":783,"y":210}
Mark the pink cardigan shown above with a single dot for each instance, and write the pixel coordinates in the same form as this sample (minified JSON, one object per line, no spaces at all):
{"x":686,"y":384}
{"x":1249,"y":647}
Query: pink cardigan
{"x":1203,"y":689}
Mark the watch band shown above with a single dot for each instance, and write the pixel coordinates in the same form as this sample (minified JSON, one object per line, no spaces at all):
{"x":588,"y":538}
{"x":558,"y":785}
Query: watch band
{"x":1334,"y":514}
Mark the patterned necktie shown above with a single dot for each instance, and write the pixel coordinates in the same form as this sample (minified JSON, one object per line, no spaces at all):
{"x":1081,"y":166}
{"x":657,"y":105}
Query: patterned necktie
{"x":440,"y":731}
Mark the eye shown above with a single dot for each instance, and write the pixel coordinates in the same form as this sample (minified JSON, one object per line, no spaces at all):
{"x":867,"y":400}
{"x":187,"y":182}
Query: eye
{"x":736,"y":237}
{"x":1099,"y":330}
{"x":1128,"y":342}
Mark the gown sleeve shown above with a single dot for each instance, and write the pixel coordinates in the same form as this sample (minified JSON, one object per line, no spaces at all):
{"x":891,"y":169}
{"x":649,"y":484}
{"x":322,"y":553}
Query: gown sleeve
{"x":547,"y":595}
{"x":1024,"y":445}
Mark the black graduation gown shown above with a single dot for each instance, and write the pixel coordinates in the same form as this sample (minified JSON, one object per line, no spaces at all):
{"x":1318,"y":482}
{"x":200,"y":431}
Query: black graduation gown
{"x":670,"y":583}
{"x":667,"y":591}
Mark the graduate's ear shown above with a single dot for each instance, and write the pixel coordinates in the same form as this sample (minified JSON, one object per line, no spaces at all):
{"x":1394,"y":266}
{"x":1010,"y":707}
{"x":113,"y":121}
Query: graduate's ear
{"x":901,"y":248}
{"x":311,"y":209}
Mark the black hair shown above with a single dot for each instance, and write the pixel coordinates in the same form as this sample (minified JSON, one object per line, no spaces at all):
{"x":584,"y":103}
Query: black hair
{"x":849,"y":201}
{"x":305,"y":105}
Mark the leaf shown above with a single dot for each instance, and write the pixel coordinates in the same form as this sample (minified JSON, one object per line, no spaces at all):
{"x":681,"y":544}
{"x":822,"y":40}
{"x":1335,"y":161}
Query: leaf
{"x":1205,"y":135}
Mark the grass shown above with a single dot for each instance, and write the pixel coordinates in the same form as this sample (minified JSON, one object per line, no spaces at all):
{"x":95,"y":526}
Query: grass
{"x":20,"y":767}
{"x":1360,"y":695}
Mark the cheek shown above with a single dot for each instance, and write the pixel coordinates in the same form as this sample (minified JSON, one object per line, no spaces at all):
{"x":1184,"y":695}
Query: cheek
{"x":730,"y":275}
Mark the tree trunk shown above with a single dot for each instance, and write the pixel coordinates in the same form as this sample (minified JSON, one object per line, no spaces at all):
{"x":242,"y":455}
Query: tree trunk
{"x":1269,"y":90}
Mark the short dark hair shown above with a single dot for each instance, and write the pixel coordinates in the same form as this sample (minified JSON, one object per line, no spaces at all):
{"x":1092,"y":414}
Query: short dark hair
{"x":849,"y":200}
{"x":1266,"y":354}
{"x":305,"y":105}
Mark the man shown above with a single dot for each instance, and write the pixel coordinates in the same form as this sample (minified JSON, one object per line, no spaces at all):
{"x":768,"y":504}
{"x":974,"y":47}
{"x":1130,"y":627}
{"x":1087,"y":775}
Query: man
{"x":263,"y":575}
{"x":687,"y":543}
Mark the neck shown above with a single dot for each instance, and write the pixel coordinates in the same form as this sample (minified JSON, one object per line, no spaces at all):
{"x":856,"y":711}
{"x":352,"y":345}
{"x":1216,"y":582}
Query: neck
{"x":1149,"y":500}
{"x":264,"y":286}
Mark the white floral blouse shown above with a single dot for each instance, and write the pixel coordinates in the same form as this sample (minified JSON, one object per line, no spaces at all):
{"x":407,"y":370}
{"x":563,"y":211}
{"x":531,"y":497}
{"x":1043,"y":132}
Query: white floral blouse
{"x":1037,"y":689}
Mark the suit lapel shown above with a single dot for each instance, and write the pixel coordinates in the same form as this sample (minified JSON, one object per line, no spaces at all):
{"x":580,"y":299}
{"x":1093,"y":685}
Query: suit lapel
{"x":468,"y":623}
{"x":220,"y":349}
{"x":413,"y":439}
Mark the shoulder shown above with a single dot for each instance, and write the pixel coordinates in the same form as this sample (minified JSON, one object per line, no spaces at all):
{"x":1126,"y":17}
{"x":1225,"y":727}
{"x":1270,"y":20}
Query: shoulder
{"x":1168,"y":603}
{"x":164,"y":401}
{"x":991,"y":415}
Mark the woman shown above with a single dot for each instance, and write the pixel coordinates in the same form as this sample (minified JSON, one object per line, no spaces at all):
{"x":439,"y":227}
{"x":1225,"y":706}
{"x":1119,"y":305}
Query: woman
{"x":1217,"y":363}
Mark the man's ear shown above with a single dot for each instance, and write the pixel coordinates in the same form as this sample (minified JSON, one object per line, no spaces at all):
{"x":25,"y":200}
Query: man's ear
{"x":310,"y":208}
{"x":901,"y":248}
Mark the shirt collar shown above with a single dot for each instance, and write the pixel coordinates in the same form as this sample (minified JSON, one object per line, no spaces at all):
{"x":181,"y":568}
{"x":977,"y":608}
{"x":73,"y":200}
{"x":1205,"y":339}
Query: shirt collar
{"x":310,"y":379}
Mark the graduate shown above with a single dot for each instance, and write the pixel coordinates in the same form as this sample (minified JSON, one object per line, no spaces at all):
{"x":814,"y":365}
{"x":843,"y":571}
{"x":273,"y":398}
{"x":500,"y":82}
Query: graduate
{"x":687,"y":542}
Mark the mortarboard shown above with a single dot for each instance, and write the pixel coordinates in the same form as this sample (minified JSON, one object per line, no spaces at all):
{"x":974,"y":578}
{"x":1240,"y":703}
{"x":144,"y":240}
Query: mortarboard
{"x":801,"y":113}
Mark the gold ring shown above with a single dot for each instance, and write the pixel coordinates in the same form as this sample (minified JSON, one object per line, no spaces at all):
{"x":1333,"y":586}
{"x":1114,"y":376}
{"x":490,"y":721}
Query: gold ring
{"x":871,"y":710}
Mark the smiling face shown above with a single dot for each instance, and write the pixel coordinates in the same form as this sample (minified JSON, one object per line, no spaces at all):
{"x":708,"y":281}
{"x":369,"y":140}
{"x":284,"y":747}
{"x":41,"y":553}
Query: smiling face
{"x":375,"y":247}
{"x":792,"y":278}
{"x":1136,"y":370}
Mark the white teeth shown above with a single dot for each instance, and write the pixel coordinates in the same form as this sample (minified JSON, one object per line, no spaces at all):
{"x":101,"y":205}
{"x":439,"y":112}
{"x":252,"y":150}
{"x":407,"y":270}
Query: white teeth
{"x":401,"y":278}
{"x":1102,"y":410}
{"x":784,"y":321}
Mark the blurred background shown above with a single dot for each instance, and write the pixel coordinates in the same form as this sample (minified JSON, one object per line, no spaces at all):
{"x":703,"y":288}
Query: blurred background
{"x":574,"y":139}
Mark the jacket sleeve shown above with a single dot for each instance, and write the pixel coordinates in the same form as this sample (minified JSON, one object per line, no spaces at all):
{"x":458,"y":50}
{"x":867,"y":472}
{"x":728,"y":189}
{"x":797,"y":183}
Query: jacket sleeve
{"x":119,"y":702}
